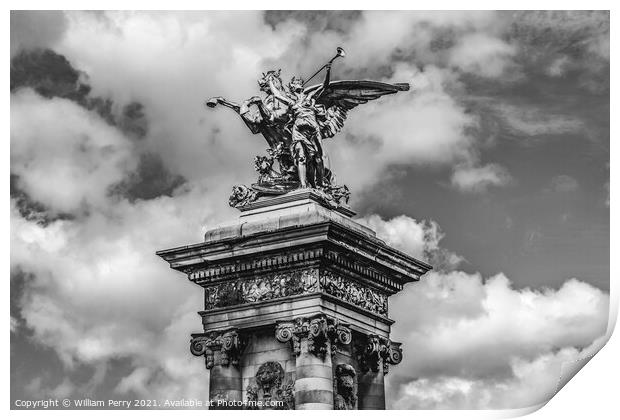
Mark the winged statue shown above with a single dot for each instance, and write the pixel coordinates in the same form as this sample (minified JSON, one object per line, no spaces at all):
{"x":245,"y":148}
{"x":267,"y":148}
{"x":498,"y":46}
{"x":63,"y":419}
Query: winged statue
{"x":295,"y":120}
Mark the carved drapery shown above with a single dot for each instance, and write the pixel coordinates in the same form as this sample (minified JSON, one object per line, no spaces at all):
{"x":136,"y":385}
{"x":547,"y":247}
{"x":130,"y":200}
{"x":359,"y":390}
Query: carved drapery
{"x":320,"y":331}
{"x":223,"y":347}
{"x":378,"y":352}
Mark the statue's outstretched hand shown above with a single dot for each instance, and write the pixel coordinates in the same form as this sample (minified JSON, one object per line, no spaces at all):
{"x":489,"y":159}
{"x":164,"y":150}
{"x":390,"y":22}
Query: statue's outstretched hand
{"x":212,"y":102}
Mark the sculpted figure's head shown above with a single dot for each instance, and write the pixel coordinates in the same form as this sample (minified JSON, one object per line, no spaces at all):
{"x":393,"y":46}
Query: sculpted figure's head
{"x":269,"y":375}
{"x":345,"y":375}
{"x":263,"y":82}
{"x":296,"y":84}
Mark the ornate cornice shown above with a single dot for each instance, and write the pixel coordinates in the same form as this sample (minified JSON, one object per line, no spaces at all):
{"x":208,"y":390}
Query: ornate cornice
{"x":205,"y":276}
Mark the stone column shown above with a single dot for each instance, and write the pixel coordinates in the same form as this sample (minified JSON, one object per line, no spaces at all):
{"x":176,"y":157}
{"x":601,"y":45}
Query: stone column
{"x":314,"y":386}
{"x":312,"y":340}
{"x":374,"y":357}
{"x":225,"y":385}
{"x":221,"y":350}
{"x":371,"y":391}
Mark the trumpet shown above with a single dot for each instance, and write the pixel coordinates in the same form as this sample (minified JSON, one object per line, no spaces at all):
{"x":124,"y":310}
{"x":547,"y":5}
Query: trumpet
{"x":339,"y":53}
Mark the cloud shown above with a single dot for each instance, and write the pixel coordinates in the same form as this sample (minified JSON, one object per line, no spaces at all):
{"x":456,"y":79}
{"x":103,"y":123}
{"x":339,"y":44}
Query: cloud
{"x":514,"y":341}
{"x":558,"y":66}
{"x":564,"y":43}
{"x":483,"y":55}
{"x":93,"y":276}
{"x":427,"y":126}
{"x":63,"y":155}
{"x":419,"y":239}
{"x":96,"y":281}
{"x":471,"y":342}
{"x":479,"y":179}
{"x":533,"y":121}
{"x":563,"y":184}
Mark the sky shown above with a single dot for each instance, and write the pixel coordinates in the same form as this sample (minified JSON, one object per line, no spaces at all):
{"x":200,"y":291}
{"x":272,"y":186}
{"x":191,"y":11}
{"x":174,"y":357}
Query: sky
{"x":494,"y":167}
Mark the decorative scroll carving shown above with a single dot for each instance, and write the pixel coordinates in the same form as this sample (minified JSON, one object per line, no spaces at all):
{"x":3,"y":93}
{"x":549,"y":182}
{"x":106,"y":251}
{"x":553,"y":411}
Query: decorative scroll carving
{"x":269,"y":388}
{"x":378,"y":352}
{"x":354,"y":293}
{"x":345,"y":388}
{"x":227,"y":345}
{"x":319,"y":331}
{"x":260,"y":288}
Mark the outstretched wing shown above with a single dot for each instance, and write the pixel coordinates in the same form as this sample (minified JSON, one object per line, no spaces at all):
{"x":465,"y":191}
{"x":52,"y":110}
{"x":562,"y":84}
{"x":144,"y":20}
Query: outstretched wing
{"x":344,"y":95}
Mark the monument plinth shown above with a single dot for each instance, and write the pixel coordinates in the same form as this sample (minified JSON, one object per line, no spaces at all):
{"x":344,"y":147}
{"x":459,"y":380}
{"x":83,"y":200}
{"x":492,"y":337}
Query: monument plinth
{"x":296,"y":304}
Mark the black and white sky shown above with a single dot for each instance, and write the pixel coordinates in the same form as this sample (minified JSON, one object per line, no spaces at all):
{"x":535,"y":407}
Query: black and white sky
{"x":494,"y":167}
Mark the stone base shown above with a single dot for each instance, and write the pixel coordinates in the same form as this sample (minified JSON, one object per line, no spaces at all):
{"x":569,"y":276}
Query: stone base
{"x":296,"y":305}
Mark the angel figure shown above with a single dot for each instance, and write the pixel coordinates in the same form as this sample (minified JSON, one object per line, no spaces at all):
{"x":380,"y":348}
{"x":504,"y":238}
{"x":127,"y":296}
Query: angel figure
{"x":295,"y":120}
{"x":306,"y":137}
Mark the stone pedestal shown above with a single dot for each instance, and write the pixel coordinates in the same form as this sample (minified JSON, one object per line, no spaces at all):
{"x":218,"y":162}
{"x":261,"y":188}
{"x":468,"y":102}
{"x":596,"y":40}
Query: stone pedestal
{"x":296,"y":305}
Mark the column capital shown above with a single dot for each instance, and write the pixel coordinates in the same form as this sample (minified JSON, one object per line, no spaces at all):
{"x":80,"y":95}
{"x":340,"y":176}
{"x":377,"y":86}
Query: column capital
{"x":225,"y":344}
{"x":377,"y":352}
{"x":320,"y":330}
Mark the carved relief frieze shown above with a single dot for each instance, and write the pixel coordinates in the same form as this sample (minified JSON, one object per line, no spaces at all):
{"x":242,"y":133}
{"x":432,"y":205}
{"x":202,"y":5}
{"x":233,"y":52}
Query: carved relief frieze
{"x":355,"y":293}
{"x":261,"y":288}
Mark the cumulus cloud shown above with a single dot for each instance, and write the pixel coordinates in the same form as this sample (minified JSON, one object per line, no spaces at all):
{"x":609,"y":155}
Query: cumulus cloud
{"x":479,"y":179}
{"x":417,"y":238}
{"x":100,"y":293}
{"x":471,"y":342}
{"x":515,"y":341}
{"x":64,"y":155}
{"x":428,"y":127}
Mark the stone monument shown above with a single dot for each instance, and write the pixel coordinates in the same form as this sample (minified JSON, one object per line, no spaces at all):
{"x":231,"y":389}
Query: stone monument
{"x":296,"y":291}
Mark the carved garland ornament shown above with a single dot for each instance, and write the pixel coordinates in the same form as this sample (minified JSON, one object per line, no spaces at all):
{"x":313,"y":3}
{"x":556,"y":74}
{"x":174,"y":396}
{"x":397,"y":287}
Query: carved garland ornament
{"x":222,"y":347}
{"x":321,"y":332}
